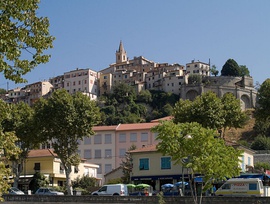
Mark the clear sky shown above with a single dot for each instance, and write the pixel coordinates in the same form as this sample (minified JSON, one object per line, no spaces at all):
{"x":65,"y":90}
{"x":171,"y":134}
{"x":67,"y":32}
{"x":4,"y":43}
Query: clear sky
{"x":88,"y":33}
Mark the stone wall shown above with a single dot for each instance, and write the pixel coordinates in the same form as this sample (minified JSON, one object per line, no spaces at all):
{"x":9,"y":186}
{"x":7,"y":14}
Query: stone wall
{"x":34,"y":199}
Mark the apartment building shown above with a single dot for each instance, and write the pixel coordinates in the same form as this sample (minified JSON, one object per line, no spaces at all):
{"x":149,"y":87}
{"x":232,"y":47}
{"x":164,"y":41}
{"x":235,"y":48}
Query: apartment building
{"x":109,"y":145}
{"x":57,"y":82}
{"x":198,"y":68}
{"x":83,"y":80}
{"x":153,"y":168}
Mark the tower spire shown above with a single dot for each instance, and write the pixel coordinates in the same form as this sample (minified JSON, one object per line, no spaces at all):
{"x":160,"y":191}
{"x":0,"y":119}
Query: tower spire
{"x":121,"y":54}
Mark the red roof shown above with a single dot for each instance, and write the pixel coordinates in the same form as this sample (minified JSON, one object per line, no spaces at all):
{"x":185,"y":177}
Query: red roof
{"x":41,"y":153}
{"x":136,"y":126}
{"x":148,"y":148}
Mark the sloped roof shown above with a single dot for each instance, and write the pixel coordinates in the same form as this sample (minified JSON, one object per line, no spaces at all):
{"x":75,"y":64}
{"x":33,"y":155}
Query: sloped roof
{"x":136,"y":126}
{"x":41,"y":153}
{"x":165,"y":118}
{"x":104,"y":128}
{"x":148,"y":148}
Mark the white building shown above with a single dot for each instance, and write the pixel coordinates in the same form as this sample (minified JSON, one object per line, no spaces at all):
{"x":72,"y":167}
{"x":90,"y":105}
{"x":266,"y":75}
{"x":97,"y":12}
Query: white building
{"x":83,"y":80}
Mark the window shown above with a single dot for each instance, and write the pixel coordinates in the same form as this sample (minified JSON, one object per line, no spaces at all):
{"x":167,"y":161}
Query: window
{"x":226,"y":186}
{"x":144,"y":137}
{"x":133,"y":137}
{"x":97,"y":139}
{"x":253,"y":186}
{"x":155,"y":135}
{"x":87,"y":154}
{"x":249,"y":161}
{"x":108,"y":168}
{"x":74,"y":83}
{"x":97,"y":153}
{"x":122,"y":137}
{"x":122,"y":152}
{"x":108,"y":139}
{"x":37,"y":166}
{"x":87,"y":140}
{"x":105,"y":77}
{"x":108,"y":153}
{"x":76,"y":169}
{"x":166,"y":163}
{"x":61,"y":168}
{"x":99,"y":170}
{"x":144,"y":164}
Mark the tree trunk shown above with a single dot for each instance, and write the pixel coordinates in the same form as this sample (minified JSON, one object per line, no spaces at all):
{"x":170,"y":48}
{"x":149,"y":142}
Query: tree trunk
{"x":17,"y":170}
{"x":68,"y":181}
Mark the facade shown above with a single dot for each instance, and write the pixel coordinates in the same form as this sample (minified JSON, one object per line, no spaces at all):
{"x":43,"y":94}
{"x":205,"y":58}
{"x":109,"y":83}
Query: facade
{"x":47,"y":162}
{"x":151,"y":167}
{"x":109,"y":145}
{"x":83,"y":80}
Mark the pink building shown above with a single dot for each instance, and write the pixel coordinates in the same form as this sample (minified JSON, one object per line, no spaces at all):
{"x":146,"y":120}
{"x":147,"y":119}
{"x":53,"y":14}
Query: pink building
{"x":108,"y":146}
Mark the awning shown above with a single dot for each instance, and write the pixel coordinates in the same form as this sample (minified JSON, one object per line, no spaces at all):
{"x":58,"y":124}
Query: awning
{"x":198,"y":179}
{"x":260,"y":176}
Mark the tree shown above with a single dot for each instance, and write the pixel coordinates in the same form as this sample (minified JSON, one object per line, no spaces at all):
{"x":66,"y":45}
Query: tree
{"x":8,"y":148}
{"x":39,"y":180}
{"x":214,"y":71}
{"x":211,"y":111}
{"x":206,"y":154}
{"x":127,"y":165}
{"x":205,"y":109}
{"x":232,"y":112}
{"x":230,"y":68}
{"x":261,"y":143}
{"x":194,"y":79}
{"x":243,"y":70}
{"x":24,"y":37}
{"x":64,"y":119}
{"x":2,"y":91}
{"x":262,"y":166}
{"x":22,"y":124}
{"x":84,"y":182}
{"x":262,"y":112}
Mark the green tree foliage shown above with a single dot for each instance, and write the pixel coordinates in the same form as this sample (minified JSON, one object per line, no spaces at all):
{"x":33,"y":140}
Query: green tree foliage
{"x":243,"y":70}
{"x":213,"y":70}
{"x":232,"y":112}
{"x":211,"y":111}
{"x":207,"y":155}
{"x":8,"y":148}
{"x":230,"y":68}
{"x":127,"y":166}
{"x":24,"y":37}
{"x":39,"y":180}
{"x":64,"y":119}
{"x":85,"y":183}
{"x":2,"y":91}
{"x":261,"y":143}
{"x":115,"y":181}
{"x":262,"y":166}
{"x":22,"y":124}
{"x":205,"y":109}
{"x":194,"y":79}
{"x":262,"y":111}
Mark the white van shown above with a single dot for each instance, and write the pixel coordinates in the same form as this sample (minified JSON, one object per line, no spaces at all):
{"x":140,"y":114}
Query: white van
{"x":241,"y":187}
{"x":112,"y":190}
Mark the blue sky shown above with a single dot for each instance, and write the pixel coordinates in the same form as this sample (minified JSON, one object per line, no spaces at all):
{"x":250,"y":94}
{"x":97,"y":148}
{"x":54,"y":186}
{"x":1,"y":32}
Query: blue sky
{"x":88,"y":33}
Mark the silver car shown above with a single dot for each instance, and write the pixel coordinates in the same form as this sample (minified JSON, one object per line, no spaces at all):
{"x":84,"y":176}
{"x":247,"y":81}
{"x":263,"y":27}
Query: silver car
{"x":15,"y":191}
{"x":47,"y":191}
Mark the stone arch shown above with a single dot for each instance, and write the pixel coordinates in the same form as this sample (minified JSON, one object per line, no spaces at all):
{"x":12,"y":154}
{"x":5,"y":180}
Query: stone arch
{"x":245,"y":102}
{"x":191,"y":95}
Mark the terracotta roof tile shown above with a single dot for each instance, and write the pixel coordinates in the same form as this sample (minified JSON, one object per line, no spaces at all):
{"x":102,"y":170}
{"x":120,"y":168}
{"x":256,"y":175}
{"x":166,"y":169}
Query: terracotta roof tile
{"x":148,"y":148}
{"x":165,"y":118}
{"x":136,"y":126}
{"x":104,"y":128}
{"x":41,"y":153}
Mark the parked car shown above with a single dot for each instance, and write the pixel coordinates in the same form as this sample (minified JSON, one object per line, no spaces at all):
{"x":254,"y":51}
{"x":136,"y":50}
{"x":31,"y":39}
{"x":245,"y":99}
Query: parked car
{"x":112,"y":190}
{"x":48,"y":191}
{"x":15,"y":191}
